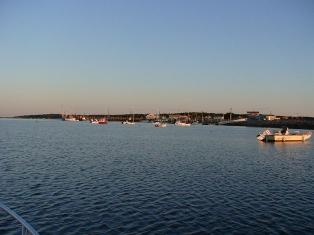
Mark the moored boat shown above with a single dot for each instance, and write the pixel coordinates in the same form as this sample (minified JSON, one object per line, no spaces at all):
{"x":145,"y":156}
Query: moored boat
{"x":182,"y":124}
{"x":71,"y":119}
{"x":128,"y":123}
{"x":93,"y":121}
{"x":160,"y":124}
{"x":101,"y":121}
{"x":283,"y":136}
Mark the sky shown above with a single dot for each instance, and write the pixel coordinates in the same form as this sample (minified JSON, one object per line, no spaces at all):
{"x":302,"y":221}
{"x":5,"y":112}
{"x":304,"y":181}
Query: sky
{"x":82,"y":56}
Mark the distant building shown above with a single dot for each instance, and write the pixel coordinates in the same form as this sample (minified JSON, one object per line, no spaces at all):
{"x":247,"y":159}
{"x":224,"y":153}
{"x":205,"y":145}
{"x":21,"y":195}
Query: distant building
{"x":270,"y":117}
{"x":252,"y":113}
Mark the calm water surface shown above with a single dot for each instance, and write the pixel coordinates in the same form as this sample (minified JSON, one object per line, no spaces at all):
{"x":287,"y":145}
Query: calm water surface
{"x":77,"y":178}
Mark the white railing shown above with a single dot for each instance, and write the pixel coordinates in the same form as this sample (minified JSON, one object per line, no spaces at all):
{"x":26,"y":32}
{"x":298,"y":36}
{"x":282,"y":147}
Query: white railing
{"x":26,"y":227}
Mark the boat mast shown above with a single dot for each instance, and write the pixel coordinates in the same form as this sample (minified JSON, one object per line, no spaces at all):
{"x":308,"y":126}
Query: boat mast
{"x":230,"y":116}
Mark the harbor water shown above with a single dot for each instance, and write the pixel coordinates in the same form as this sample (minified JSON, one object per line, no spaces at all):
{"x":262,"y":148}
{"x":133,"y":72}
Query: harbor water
{"x":78,"y":178}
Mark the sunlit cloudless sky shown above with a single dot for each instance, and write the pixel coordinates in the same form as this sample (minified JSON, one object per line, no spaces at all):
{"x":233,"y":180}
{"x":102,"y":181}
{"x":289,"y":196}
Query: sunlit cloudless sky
{"x":169,"y":55}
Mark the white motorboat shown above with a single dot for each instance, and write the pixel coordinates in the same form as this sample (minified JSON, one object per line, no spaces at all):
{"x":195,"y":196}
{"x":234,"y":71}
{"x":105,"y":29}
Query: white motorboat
{"x":283,"y":136}
{"x":182,"y":124}
{"x":71,"y":119}
{"x":160,"y":124}
{"x":128,"y":123}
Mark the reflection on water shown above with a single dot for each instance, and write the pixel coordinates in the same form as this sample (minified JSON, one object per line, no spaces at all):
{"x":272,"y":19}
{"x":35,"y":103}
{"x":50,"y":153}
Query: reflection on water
{"x":286,"y":148}
{"x":77,"y":178}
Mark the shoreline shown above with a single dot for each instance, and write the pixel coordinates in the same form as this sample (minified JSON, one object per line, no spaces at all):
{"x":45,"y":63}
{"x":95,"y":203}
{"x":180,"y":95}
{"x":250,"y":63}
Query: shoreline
{"x":290,"y":122}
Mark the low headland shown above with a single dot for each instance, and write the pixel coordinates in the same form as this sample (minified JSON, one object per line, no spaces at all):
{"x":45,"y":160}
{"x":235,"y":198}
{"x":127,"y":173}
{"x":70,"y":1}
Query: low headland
{"x":249,"y":119}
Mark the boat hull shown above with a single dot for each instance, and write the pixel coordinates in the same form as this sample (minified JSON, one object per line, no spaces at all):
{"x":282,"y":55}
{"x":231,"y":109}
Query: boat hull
{"x":287,"y":138}
{"x":71,"y":119}
{"x":160,"y":125}
{"x":102,"y":122}
{"x":128,"y":123}
{"x":182,"y":124}
{"x":99,"y":122}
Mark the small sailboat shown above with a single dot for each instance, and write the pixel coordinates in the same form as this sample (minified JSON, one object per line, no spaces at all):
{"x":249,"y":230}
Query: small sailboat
{"x":283,"y":136}
{"x":159,"y":122}
{"x":128,"y":122}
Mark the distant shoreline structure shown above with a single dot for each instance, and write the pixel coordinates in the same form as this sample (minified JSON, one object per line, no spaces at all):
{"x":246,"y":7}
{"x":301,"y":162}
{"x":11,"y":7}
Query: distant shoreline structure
{"x":250,"y":119}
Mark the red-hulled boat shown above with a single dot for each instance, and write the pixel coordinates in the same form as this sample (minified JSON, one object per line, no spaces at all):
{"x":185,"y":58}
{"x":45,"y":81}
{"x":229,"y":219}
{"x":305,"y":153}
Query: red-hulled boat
{"x":101,"y":121}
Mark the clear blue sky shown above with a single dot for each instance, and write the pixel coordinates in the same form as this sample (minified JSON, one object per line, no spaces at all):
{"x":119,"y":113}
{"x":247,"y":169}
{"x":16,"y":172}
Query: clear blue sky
{"x":168,"y":55}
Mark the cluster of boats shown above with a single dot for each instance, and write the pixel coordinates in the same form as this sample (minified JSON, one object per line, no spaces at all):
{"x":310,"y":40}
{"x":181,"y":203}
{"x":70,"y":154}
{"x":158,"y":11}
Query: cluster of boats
{"x":103,"y":121}
{"x":178,"y":123}
{"x":100,"y":121}
{"x":284,"y":135}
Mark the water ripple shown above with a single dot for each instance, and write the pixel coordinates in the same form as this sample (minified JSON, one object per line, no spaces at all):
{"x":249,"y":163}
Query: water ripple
{"x":67,"y":178}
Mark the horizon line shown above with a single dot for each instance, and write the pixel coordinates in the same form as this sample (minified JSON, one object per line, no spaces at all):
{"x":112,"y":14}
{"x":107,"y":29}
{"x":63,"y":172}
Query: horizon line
{"x":143,"y":113}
